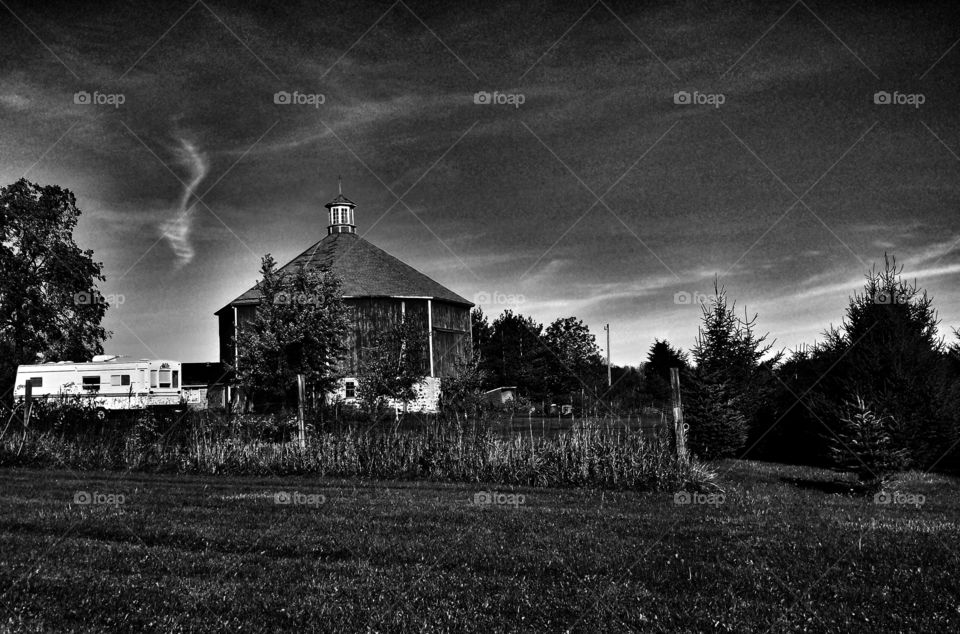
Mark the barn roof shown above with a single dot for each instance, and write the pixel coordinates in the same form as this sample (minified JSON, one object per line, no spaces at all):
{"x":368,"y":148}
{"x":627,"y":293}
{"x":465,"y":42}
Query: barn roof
{"x":366,"y":271}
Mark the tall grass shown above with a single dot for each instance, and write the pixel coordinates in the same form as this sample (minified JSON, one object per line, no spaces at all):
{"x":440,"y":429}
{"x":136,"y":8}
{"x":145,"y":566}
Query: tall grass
{"x":590,"y":454}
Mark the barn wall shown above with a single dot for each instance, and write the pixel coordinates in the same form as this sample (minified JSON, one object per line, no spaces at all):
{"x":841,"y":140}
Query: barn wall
{"x":226,"y":336}
{"x":377,"y":315}
{"x":451,"y":336}
{"x":370,"y":316}
{"x":227,"y":330}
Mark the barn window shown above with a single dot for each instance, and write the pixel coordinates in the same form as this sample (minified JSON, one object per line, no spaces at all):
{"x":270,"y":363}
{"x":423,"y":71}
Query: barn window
{"x":164,"y":378}
{"x":119,"y":379}
{"x":351,"y":388}
{"x":35,"y":381}
{"x":176,"y":378}
{"x":153,"y":378}
{"x":91,"y":383}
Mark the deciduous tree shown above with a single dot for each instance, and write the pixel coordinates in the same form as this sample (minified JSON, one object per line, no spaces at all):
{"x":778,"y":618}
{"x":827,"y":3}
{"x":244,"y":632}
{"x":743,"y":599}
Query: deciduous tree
{"x":50,"y":306}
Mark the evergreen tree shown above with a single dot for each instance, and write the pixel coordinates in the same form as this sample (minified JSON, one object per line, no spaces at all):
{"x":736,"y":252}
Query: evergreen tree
{"x":731,"y":381}
{"x":888,"y":352}
{"x":863,"y":445}
{"x":656,"y":371}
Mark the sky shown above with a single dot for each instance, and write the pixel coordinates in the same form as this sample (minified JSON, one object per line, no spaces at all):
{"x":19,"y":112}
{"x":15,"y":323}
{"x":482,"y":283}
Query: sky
{"x":606,"y":160}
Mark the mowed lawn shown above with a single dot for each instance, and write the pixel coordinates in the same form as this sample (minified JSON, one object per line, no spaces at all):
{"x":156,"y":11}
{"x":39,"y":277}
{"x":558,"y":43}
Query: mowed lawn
{"x":783,"y":550}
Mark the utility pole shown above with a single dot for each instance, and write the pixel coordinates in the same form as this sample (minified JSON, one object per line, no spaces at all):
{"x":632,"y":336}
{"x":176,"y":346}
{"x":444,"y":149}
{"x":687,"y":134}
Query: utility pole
{"x":609,"y":373}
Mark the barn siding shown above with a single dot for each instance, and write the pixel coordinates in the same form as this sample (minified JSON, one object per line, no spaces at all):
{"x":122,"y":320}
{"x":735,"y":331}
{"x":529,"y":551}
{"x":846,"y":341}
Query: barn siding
{"x":372,"y":315}
{"x":226,"y":336}
{"x":451,"y":336}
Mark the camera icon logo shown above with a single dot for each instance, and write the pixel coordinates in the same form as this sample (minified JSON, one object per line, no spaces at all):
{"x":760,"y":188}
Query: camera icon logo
{"x":482,"y":498}
{"x":681,"y":497}
{"x":881,"y":97}
{"x":82,"y":97}
{"x":482,"y":297}
{"x":482,"y":97}
{"x":282,"y":97}
{"x":82,"y":497}
{"x":682,"y":97}
{"x":682,"y":298}
{"x":883,"y":497}
{"x":83,"y":298}
{"x":281,"y":497}
{"x":282,"y":298}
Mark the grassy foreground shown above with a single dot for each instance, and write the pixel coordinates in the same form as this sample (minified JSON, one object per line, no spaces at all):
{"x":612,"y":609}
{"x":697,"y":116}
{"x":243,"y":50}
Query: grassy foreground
{"x":784,"y":549}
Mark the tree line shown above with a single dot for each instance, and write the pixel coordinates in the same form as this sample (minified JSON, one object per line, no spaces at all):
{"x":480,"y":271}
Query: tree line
{"x":881,"y":391}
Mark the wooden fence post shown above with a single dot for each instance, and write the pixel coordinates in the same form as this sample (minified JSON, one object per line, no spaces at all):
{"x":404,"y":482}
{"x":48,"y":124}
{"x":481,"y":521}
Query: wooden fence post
{"x":679,"y":428}
{"x":301,"y":395}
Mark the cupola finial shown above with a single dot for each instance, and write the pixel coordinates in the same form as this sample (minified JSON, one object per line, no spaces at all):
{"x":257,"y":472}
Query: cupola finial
{"x":341,"y":212}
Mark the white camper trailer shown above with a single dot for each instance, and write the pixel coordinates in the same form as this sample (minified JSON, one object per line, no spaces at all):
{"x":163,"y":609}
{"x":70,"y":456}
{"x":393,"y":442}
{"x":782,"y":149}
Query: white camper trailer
{"x":107,"y":382}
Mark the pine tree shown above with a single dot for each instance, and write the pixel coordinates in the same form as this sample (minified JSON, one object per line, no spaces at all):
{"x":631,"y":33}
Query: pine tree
{"x":863,"y":444}
{"x":731,"y":382}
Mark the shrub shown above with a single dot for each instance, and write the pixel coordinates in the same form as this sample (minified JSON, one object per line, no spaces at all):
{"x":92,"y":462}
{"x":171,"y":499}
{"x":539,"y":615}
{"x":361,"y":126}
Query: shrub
{"x":864,"y":445}
{"x":718,"y":428}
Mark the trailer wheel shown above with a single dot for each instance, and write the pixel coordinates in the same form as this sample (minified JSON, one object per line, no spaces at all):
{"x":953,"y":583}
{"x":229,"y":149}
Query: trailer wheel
{"x":100,"y":413}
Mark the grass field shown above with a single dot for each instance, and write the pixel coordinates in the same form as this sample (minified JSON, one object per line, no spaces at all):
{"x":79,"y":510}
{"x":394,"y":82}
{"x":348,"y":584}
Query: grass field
{"x":784,"y":549}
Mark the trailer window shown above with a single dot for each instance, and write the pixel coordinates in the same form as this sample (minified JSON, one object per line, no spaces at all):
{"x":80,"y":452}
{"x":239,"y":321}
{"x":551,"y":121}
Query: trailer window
{"x":164,"y":378}
{"x":35,"y":381}
{"x":91,"y":383}
{"x":119,"y":379}
{"x":176,"y":378}
{"x":153,"y":378}
{"x":351,"y":388}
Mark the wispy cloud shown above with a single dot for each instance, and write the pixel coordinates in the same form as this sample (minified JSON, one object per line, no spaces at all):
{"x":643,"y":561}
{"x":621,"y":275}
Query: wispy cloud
{"x":177,"y":230}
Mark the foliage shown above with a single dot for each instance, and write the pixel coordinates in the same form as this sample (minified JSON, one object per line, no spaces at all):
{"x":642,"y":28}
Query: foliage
{"x":514,"y":356}
{"x":462,"y":393}
{"x":718,"y":428}
{"x":392,"y":366}
{"x":731,"y":382}
{"x":573,"y":360}
{"x":656,"y":371}
{"x":480,"y":331}
{"x":887,"y":351}
{"x":863,"y":444}
{"x":299,"y":327}
{"x":590,"y":454}
{"x":625,"y":395}
{"x":50,"y":307}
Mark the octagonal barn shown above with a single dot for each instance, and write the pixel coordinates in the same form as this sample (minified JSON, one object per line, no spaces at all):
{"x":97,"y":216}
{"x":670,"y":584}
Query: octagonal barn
{"x":379,"y":291}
